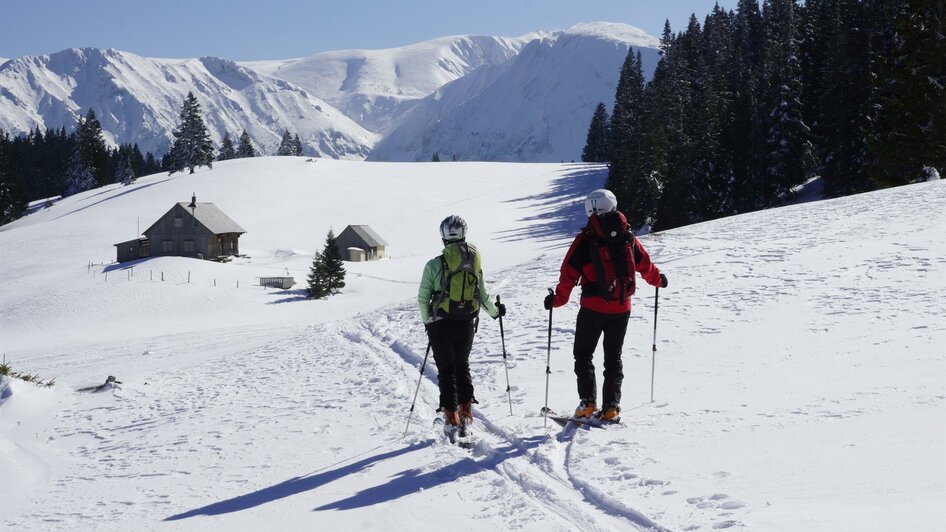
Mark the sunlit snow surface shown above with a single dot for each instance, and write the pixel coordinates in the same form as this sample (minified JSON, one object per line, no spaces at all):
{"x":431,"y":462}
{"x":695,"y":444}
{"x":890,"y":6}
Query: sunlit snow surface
{"x":799,"y":380}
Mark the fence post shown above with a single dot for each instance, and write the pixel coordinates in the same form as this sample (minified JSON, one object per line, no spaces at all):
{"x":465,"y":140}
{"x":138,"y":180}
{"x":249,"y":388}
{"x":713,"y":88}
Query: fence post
{"x":106,"y":277}
{"x":162,"y":276}
{"x":188,"y":277}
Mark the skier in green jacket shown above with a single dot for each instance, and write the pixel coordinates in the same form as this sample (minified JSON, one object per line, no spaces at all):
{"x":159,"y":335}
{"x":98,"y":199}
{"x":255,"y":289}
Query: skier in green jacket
{"x":451,"y":293}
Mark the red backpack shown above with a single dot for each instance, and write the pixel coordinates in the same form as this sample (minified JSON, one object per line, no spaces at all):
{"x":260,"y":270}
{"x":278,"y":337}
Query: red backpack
{"x":612,"y":249}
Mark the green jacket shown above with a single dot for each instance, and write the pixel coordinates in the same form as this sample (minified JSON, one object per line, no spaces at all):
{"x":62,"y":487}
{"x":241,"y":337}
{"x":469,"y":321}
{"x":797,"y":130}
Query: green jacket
{"x":430,"y":283}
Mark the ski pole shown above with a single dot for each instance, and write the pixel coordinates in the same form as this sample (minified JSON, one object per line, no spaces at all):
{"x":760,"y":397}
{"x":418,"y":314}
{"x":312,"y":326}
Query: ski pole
{"x":502,"y":335}
{"x":653,"y":359}
{"x":548,"y":371}
{"x":422,"y":366}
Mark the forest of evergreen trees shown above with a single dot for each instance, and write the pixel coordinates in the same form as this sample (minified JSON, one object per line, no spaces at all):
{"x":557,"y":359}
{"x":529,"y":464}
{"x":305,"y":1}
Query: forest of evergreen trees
{"x":45,"y":164}
{"x":753,"y":103}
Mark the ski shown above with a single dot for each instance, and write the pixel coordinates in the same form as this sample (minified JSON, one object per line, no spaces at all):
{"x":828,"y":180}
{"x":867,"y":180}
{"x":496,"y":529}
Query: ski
{"x":591,"y":422}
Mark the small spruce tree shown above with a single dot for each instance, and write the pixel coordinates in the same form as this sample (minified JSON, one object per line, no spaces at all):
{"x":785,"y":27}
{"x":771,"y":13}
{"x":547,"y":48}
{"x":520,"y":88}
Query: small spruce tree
{"x":327,"y":275}
{"x":227,"y":151}
{"x":246,"y":148}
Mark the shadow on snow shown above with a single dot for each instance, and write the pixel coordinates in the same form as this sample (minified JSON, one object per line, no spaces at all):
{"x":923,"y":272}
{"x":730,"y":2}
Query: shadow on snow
{"x":295,"y":486}
{"x":562,"y":214}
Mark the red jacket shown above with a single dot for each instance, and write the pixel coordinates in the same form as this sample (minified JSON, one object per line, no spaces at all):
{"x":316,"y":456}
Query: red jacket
{"x":577,"y":268}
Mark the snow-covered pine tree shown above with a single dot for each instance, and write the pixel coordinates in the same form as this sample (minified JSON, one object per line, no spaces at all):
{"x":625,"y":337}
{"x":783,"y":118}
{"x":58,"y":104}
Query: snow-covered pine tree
{"x":909,"y":125}
{"x":227,"y":151}
{"x":78,"y":177}
{"x":748,"y":135}
{"x":192,"y":146}
{"x":296,"y":145}
{"x":93,"y":148}
{"x":124,"y":173}
{"x":789,"y":161}
{"x":316,"y":282}
{"x":334,"y":267}
{"x":629,"y":176}
{"x":246,"y":148}
{"x":12,"y":197}
{"x":598,"y":142}
{"x":327,"y":275}
{"x":285,"y":146}
{"x":842,"y":122}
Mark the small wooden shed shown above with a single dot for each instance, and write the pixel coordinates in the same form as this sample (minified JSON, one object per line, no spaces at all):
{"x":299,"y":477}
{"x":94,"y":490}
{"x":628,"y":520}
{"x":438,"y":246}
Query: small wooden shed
{"x":363,"y":238}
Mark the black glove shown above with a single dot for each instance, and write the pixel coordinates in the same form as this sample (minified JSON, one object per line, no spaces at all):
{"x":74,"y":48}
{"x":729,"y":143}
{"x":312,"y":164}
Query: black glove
{"x":548,"y":301}
{"x":663,"y":281}
{"x":501,"y":308}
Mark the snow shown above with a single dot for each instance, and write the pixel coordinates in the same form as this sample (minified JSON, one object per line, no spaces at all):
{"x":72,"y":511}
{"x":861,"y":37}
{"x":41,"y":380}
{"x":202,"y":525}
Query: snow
{"x":534,"y":107}
{"x":798,"y":379}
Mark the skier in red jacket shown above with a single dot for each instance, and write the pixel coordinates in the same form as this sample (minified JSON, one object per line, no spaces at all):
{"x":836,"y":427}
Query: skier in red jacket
{"x":603,"y":259}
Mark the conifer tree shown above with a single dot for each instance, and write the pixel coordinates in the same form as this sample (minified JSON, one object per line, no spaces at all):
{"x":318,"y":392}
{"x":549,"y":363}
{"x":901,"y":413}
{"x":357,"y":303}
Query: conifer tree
{"x":435,"y":158}
{"x":246,"y":148}
{"x":909,"y":131}
{"x":93,"y":149}
{"x":748,"y":119}
{"x":79,"y":177}
{"x":598,"y":142}
{"x":227,"y":151}
{"x":327,"y":275}
{"x":296,"y":146}
{"x":192,"y":146}
{"x":629,"y":176}
{"x":12,"y":198}
{"x":789,"y":160}
{"x":124,"y":173}
{"x":286,"y":146}
{"x":316,"y":283}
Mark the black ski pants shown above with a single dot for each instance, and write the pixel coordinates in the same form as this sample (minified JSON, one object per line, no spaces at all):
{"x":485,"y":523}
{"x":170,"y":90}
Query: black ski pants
{"x":451,"y":341}
{"x":589,"y":328}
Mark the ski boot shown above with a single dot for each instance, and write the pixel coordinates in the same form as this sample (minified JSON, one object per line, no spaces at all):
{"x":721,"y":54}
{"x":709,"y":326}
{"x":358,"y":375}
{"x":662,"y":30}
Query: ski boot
{"x":585,"y":409}
{"x":610,"y":414}
{"x":451,"y":424}
{"x":466,"y":419}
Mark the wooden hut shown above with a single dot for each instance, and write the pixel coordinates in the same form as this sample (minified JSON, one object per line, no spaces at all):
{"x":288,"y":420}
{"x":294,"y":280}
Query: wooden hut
{"x":199,"y":230}
{"x":363,"y":238}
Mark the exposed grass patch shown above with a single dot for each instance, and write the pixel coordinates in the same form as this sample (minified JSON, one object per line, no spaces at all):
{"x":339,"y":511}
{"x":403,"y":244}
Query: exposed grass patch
{"x":7,"y":370}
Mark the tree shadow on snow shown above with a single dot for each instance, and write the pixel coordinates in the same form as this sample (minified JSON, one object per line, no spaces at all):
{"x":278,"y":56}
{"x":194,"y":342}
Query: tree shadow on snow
{"x":289,"y":296}
{"x":295,"y":486}
{"x":562,"y":213}
{"x":414,"y":480}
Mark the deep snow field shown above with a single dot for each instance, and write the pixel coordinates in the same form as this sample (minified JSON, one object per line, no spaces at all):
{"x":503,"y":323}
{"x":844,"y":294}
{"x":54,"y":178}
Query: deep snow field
{"x":800,"y":368}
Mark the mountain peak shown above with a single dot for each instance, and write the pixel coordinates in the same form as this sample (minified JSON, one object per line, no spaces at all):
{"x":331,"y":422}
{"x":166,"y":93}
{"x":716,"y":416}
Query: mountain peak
{"x":615,"y":31}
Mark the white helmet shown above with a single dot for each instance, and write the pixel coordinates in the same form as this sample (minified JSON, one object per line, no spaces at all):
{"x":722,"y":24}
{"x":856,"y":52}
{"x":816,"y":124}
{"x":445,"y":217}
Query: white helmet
{"x":453,"y":228}
{"x":600,"y":201}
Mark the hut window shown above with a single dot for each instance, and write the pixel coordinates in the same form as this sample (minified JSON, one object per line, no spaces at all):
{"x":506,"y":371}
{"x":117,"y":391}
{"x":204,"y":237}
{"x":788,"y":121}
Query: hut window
{"x":167,"y":246}
{"x":188,"y":245}
{"x":178,"y":222}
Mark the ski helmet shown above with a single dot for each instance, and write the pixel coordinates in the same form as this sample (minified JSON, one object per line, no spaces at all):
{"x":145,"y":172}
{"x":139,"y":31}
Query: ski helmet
{"x":452,"y":228}
{"x":600,"y":201}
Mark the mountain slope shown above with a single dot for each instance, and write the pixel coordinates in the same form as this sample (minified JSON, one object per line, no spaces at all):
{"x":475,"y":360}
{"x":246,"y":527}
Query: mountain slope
{"x":793,"y":347}
{"x":536,"y":107}
{"x":139,"y":99}
{"x":375,"y":87}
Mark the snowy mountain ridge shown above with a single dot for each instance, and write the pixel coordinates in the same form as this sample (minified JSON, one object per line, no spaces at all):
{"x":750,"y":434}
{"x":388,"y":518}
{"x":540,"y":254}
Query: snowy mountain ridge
{"x":341,"y":103}
{"x":138,"y":99}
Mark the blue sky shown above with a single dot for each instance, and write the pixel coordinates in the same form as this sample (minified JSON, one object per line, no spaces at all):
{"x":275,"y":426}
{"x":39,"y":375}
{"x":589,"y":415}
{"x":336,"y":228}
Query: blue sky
{"x":282,"y":29}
